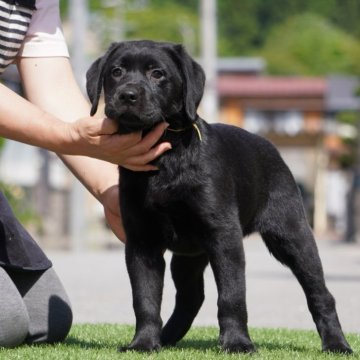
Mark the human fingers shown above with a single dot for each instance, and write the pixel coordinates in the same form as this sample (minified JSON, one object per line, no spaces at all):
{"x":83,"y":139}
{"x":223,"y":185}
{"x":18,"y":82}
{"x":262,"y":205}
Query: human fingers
{"x":143,"y":160}
{"x":139,"y":168}
{"x":150,"y":139}
{"x":96,"y":138}
{"x":110,"y":127}
{"x":123,"y":142}
{"x":95,"y":126}
{"x":154,"y":135}
{"x":107,"y":126}
{"x":105,"y":130}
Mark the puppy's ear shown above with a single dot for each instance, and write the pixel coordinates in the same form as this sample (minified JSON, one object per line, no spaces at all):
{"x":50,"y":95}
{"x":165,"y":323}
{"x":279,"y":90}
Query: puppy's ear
{"x":95,"y":78}
{"x":194,"y":81}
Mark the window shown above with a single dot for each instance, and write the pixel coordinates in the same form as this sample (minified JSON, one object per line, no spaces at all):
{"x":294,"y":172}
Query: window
{"x":281,"y":122}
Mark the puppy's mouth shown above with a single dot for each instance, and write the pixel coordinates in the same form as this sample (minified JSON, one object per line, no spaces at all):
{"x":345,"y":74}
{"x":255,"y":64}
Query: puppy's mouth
{"x":130,"y":120}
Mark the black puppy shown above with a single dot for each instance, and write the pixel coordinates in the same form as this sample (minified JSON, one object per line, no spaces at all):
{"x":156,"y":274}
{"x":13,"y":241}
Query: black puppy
{"x":218,"y":184}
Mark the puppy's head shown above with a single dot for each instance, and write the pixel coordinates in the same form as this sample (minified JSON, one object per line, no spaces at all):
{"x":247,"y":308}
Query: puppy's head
{"x":144,"y":83}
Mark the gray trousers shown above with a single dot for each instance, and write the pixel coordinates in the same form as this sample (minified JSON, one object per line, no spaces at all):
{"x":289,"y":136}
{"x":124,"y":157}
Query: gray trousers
{"x":34,"y":308}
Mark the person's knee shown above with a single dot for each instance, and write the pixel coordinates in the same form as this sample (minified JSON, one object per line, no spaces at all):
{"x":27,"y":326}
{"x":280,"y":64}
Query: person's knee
{"x":14,"y":326}
{"x":57,"y":327}
{"x":60,"y":319}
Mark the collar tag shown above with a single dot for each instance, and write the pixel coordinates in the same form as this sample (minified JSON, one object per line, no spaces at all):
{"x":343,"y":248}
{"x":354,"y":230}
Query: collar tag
{"x":197,"y":131}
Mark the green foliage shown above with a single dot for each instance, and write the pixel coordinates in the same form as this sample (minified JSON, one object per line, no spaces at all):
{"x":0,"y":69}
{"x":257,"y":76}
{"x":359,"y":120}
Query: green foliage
{"x":350,"y":119}
{"x":100,"y":341}
{"x":245,"y":25}
{"x":300,"y":36}
{"x":19,"y":203}
{"x":190,"y":4}
{"x":166,"y":23}
{"x":309,"y":45}
{"x":238,"y":27}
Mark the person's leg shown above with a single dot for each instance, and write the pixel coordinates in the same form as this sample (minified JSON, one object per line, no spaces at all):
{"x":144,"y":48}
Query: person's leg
{"x":14,"y":319}
{"x":47,"y":304}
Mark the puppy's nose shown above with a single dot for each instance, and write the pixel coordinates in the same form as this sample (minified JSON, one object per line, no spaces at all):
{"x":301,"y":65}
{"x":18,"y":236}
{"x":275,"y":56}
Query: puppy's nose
{"x":129,"y":96}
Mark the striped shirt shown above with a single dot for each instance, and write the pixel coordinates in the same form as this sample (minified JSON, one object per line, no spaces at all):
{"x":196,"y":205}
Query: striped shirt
{"x":14,"y":23}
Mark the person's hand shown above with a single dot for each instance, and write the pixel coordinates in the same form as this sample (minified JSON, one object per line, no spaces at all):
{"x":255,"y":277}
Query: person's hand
{"x":110,"y":201}
{"x":98,"y":138}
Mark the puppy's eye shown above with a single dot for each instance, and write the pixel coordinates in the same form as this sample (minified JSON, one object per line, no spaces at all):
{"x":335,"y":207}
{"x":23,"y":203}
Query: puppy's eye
{"x":157,"y":74}
{"x":116,"y":72}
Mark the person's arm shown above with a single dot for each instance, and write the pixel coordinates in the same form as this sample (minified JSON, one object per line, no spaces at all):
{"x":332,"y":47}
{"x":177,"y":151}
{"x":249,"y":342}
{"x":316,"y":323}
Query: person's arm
{"x":51,"y":88}
{"x":24,"y":122}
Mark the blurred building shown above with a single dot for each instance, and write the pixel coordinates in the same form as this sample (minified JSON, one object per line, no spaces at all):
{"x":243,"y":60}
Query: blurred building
{"x":299,"y":115}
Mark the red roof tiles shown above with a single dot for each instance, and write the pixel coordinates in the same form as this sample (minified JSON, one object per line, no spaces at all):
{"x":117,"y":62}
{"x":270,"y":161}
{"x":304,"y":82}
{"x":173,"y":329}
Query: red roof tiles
{"x":267,"y":86}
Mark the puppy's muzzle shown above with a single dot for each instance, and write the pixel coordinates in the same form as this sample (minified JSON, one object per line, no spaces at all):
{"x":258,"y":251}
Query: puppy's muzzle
{"x":133,"y":107}
{"x":129,"y":96}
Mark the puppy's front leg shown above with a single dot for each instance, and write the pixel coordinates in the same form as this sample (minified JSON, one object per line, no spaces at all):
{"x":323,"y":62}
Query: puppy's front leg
{"x":146,"y":268}
{"x":227,"y":260}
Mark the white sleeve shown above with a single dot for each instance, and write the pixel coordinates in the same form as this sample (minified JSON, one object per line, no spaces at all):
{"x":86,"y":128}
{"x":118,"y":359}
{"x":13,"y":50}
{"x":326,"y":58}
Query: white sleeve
{"x":45,"y":37}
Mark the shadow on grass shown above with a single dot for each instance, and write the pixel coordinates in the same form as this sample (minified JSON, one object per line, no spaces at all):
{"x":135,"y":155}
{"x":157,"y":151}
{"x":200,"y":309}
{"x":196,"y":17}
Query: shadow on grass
{"x":187,"y":344}
{"x":272,"y":346}
{"x":72,"y":341}
{"x":194,"y":344}
{"x":213,"y":345}
{"x":201,"y":345}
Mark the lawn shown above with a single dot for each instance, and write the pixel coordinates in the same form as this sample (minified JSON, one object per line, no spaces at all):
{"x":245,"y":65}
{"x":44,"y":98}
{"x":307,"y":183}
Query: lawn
{"x":90,"y":342}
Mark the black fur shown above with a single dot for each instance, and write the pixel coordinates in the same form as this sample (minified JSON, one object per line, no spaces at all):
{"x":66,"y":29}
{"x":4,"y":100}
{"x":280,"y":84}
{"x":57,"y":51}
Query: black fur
{"x":208,"y":194}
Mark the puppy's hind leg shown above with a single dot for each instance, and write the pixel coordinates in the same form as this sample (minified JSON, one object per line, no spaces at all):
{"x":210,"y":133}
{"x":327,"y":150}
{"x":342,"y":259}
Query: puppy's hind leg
{"x":291,"y":241}
{"x":187,"y":273}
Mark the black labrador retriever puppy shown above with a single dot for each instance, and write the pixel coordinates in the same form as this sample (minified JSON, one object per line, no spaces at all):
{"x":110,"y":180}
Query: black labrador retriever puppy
{"x":218,"y":184}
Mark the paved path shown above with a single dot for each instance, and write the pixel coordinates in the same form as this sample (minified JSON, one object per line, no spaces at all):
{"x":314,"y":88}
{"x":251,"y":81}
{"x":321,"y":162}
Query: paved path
{"x":98,"y":286}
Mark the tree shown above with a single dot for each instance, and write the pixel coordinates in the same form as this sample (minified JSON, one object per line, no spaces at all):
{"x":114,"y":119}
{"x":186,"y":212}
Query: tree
{"x":170,"y":22}
{"x":245,"y":25}
{"x":310,"y":45}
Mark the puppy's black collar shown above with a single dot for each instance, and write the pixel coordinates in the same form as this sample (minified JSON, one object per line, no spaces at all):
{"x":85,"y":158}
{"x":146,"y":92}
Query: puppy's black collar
{"x":186,"y":128}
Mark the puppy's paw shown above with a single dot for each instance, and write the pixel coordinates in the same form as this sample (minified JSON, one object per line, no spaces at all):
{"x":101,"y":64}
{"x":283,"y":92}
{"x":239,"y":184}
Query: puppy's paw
{"x":340,"y":348}
{"x":239,"y":348}
{"x":237,"y":345}
{"x":141,"y":346}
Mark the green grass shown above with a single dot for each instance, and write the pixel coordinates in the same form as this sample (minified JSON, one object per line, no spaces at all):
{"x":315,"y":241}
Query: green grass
{"x":90,"y":342}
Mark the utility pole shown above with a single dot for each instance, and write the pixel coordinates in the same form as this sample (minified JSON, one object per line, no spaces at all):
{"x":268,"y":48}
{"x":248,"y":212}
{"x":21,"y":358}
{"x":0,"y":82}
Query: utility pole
{"x":209,"y":105}
{"x":77,"y":219}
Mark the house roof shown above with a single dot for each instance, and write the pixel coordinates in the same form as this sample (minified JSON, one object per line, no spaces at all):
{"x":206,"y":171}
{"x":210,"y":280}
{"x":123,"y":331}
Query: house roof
{"x":271,"y":86}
